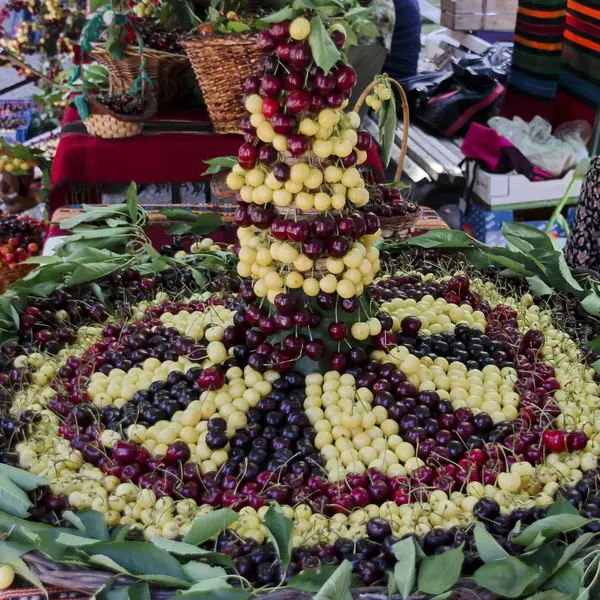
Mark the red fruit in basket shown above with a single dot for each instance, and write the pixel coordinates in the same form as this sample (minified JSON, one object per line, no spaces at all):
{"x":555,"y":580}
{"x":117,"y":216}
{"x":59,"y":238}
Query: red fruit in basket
{"x":372,"y":223}
{"x":281,"y":171}
{"x":298,"y":102}
{"x":360,"y":226}
{"x":251,"y":84}
{"x":299,"y":231}
{"x":317,"y":104}
{"x":345,"y":226}
{"x":365,"y":141}
{"x":283,"y":124}
{"x":267,"y":154}
{"x":279,"y":229}
{"x":178,"y":452}
{"x":350,"y":160}
{"x":9,"y":258}
{"x":124,"y":453}
{"x":345,"y":78}
{"x":293,"y":81}
{"x":284,"y":52}
{"x":299,"y":55}
{"x":324,"y":227}
{"x":313,"y":248}
{"x":339,"y":39}
{"x":247,"y":155}
{"x":270,"y":106}
{"x":315,"y":349}
{"x":241,"y":216}
{"x":297,"y":145}
{"x":271,"y":85}
{"x":338,"y":246}
{"x":280,"y":31}
{"x":324,"y":83}
{"x":337,"y":331}
{"x":211,"y":378}
{"x":335,"y":99}
{"x":265,"y":41}
{"x":555,"y":440}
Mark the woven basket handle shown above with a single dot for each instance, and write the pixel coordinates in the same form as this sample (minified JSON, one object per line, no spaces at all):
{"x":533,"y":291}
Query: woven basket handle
{"x":405,"y":119}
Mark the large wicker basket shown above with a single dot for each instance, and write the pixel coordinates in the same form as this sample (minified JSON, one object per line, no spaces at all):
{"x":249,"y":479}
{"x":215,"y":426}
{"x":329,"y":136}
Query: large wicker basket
{"x":165,"y":70}
{"x":221,"y":63}
{"x":103,"y":122}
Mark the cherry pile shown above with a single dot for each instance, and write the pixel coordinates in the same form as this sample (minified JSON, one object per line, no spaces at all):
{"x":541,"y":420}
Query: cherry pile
{"x":123,"y":103}
{"x":388,"y":202}
{"x":20,"y":238}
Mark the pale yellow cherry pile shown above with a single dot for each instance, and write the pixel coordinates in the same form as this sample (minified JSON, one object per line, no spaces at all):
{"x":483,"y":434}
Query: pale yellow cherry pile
{"x":281,"y":266}
{"x":311,"y":185}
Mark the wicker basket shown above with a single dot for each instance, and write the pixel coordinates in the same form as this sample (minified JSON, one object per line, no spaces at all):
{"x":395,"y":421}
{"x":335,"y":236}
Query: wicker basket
{"x":104,"y":123}
{"x":165,"y":70}
{"x":397,"y":227}
{"x":221,"y":64}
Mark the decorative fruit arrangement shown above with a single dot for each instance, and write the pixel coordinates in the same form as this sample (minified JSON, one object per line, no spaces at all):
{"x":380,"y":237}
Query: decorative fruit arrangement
{"x":318,"y":419}
{"x":388,"y":202}
{"x":158,"y":37}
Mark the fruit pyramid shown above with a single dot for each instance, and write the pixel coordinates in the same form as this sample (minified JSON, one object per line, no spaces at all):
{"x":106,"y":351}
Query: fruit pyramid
{"x":303,"y":240}
{"x":437,"y":398}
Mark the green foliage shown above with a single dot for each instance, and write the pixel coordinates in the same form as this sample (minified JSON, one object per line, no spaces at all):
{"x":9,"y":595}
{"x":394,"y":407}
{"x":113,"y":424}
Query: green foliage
{"x":280,"y":530}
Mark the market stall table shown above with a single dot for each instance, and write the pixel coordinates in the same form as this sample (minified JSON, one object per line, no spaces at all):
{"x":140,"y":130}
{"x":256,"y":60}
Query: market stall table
{"x":171,"y":150}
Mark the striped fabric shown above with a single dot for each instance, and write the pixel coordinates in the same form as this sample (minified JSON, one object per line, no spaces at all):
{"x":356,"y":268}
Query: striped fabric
{"x":556,"y":62}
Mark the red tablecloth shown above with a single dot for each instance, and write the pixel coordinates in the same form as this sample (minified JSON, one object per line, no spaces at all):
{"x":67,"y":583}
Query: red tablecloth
{"x":171,"y":150}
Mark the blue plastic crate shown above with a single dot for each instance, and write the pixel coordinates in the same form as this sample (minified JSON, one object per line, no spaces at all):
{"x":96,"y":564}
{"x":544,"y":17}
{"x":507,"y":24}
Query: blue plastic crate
{"x":485,"y":225}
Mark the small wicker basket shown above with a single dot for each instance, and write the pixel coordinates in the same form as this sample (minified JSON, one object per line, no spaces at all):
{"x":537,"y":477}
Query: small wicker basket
{"x":397,"y":227}
{"x":221,"y":64}
{"x":104,"y":123}
{"x":165,"y":70}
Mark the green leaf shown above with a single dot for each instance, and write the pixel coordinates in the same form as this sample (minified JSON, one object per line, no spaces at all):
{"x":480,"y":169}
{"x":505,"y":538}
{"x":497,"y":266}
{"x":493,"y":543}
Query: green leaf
{"x":139,"y":591}
{"x":42,"y":260}
{"x":561,"y":506}
{"x":207,"y":223}
{"x":216,"y":594}
{"x":180,"y":229}
{"x":140,"y":558}
{"x":359,"y":11}
{"x":91,"y":272}
{"x":8,"y":521}
{"x":189,"y":551}
{"x":525,"y":237}
{"x":75,"y":541}
{"x":572,"y":549}
{"x":591,"y":304}
{"x":539,"y":287}
{"x":550,"y":526}
{"x":323,"y":49}
{"x":237,"y":26}
{"x":487,"y":546}
{"x":311,"y":580}
{"x":89,"y":521}
{"x":438,"y":574}
{"x":216,"y":165}
{"x":207,"y":526}
{"x":405,"y":570}
{"x":337,"y":587}
{"x":548,"y":595}
{"x":119,"y":533}
{"x":216,"y":583}
{"x":197,"y":571}
{"x":507,"y":577}
{"x":178,"y":214}
{"x":443,"y":596}
{"x":13,"y":499}
{"x":514,"y":264}
{"x":567,"y":580}
{"x":280,"y":529}
{"x":442,"y":238}
{"x":107,"y":563}
{"x":367,"y":28}
{"x":23,"y":479}
{"x":388,"y":123}
{"x":281,"y":15}
{"x":21,"y":569}
{"x":97,"y":291}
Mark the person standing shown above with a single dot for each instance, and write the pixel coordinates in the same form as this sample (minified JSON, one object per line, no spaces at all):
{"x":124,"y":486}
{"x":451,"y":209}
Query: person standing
{"x":403,"y":58}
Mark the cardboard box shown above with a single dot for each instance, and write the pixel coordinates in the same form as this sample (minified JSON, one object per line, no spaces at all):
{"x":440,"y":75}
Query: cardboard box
{"x":479,"y":22}
{"x":465,"y":7}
